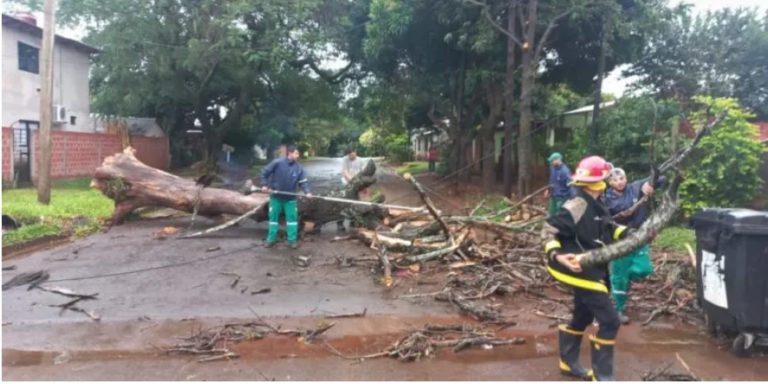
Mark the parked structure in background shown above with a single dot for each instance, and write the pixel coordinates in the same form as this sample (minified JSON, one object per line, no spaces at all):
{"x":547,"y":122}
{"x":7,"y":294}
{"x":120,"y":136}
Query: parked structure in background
{"x":21,"y":77}
{"x":424,"y":137}
{"x":80,"y":141}
{"x":579,"y":118}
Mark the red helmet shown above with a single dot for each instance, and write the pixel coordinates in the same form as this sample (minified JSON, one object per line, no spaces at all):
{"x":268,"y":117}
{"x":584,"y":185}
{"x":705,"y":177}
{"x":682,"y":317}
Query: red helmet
{"x":592,"y":169}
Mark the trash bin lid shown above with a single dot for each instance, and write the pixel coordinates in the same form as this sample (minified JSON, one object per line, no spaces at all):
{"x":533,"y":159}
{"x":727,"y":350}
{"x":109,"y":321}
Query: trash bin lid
{"x":739,"y":220}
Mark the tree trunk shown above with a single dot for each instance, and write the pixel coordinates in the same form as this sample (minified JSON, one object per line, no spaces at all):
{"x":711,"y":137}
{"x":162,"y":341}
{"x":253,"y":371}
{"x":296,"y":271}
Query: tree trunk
{"x":487,"y":135}
{"x":133,"y":184}
{"x":489,"y":164}
{"x":598,"y":91}
{"x":526,"y":94}
{"x":509,"y":99}
{"x":463,"y":173}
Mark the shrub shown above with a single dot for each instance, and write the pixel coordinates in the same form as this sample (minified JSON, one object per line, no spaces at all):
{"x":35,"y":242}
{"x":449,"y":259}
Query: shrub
{"x":398,"y":148}
{"x":723,"y":171}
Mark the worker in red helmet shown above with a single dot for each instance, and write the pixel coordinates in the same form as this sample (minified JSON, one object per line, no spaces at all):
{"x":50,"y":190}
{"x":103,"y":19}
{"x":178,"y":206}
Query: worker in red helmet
{"x":584,"y":223}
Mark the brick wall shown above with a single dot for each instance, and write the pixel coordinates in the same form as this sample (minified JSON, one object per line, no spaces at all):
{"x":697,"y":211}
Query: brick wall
{"x":78,"y":154}
{"x":7,"y":153}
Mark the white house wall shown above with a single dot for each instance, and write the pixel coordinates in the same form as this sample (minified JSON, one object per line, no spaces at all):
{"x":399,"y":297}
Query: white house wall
{"x":21,"y":96}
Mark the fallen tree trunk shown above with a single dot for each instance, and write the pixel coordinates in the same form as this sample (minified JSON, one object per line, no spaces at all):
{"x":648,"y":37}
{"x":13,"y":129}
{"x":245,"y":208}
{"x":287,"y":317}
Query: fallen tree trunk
{"x":133,"y":184}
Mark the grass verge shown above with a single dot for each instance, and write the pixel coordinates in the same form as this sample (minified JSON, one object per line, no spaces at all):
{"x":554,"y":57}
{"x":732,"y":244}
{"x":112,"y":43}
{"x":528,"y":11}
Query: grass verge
{"x":413,"y":167}
{"x":674,"y":239}
{"x":75,"y":209}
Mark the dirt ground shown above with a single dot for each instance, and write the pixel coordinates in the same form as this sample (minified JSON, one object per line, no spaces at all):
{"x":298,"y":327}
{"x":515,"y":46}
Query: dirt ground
{"x":152,"y":292}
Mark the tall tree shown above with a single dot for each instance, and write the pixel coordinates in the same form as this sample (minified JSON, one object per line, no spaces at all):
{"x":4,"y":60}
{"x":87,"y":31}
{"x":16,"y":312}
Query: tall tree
{"x":720,"y":53}
{"x":220,"y":64}
{"x":536,"y":25}
{"x":427,"y":45}
{"x":509,"y":100}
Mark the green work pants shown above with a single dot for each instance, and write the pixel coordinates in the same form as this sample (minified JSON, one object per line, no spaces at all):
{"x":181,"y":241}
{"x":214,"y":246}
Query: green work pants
{"x":278,"y":205}
{"x":554,"y":205}
{"x":635,"y":266}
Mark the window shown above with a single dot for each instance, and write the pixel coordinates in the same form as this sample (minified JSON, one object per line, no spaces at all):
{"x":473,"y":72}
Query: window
{"x":72,"y":120}
{"x":29,"y":58}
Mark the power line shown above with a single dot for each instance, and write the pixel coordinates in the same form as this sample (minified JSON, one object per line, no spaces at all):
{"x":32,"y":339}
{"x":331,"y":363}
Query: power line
{"x":165,"y":266}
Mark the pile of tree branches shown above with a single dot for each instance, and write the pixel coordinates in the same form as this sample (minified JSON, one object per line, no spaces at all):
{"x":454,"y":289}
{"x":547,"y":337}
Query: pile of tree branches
{"x":214,"y":343}
{"x":500,"y":253}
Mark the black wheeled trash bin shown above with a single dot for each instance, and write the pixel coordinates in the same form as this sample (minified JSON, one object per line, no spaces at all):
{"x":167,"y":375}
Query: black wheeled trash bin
{"x":732,"y":273}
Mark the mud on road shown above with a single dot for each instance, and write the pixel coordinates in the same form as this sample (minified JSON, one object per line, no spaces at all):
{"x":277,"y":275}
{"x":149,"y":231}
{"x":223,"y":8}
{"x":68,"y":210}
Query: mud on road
{"x":152,"y":292}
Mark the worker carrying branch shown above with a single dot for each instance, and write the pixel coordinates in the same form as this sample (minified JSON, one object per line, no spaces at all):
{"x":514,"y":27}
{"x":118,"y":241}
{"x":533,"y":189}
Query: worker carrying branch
{"x":620,"y":198}
{"x":584,"y":223}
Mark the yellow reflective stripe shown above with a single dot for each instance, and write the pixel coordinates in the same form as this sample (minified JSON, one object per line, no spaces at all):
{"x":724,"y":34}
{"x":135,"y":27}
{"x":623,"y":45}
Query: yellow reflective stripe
{"x":564,"y":366}
{"x":551,"y":245}
{"x":577,"y":282}
{"x":602,"y":341}
{"x":565,"y":329}
{"x":618,"y":231}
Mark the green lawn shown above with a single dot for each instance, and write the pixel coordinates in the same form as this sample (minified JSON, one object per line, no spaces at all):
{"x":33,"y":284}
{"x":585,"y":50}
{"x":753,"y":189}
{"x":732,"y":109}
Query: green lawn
{"x":74,"y":209}
{"x":413,"y":167}
{"x":675,"y":238}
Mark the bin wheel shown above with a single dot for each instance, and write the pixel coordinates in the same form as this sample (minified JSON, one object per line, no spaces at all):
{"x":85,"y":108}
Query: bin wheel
{"x":742,"y":345}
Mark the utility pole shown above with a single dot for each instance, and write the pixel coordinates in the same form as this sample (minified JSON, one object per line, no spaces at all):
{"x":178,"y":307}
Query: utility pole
{"x":46,"y":105}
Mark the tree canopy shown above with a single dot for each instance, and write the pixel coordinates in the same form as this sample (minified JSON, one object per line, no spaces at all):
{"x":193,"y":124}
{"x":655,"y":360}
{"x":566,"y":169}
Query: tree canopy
{"x":330,"y":74}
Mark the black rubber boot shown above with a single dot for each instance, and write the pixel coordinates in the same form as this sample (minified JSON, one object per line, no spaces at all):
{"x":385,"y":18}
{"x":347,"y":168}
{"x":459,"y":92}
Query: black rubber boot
{"x":602,"y":359}
{"x":570,"y":341}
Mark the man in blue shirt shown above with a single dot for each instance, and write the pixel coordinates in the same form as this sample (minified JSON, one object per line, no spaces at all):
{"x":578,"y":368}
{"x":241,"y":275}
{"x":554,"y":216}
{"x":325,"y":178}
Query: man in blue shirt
{"x":559,"y":183}
{"x":284,"y":175}
{"x":637,"y":265}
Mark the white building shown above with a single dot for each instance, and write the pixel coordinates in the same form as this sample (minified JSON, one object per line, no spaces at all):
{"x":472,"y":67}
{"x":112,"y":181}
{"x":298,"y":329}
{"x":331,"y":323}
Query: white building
{"x":425,"y":137}
{"x":22,"y":40}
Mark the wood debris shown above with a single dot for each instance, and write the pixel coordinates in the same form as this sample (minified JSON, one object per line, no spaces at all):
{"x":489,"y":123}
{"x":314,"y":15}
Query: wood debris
{"x":213,"y":344}
{"x":485,"y":256}
{"x":68,"y":292}
{"x":347,"y":315}
{"x":664,"y":374}
{"x":31,"y":278}
{"x":424,"y":343}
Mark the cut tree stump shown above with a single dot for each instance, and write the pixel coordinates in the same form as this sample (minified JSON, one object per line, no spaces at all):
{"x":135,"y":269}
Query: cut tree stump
{"x":133,"y":184}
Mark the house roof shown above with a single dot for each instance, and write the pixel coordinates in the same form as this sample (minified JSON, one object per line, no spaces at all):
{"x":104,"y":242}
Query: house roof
{"x":588,"y":108}
{"x":34,"y":30}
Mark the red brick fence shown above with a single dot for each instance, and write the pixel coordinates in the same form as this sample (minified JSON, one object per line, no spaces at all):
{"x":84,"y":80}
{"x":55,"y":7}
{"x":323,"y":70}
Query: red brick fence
{"x":78,"y":154}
